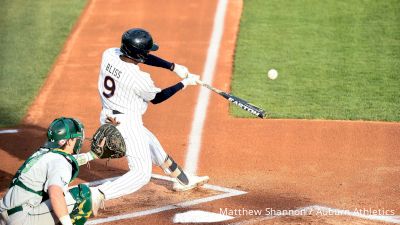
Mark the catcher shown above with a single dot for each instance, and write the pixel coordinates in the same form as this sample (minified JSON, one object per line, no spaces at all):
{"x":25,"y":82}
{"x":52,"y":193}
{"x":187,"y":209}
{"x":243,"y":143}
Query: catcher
{"x":39,"y":195}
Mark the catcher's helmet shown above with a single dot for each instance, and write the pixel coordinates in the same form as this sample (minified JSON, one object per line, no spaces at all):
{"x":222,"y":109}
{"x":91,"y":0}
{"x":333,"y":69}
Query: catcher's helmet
{"x":62,"y":129}
{"x":136,"y":44}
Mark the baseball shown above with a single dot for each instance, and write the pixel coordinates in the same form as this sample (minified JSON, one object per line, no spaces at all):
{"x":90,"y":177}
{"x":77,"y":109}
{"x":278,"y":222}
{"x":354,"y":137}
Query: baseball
{"x":272,"y":74}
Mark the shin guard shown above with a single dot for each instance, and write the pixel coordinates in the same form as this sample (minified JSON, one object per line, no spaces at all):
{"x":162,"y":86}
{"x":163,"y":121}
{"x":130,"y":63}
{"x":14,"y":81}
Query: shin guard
{"x":171,"y":168}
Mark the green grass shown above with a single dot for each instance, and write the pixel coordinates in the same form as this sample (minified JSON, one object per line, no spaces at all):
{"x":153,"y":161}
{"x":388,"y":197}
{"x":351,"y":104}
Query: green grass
{"x":336,"y":59}
{"x":32,"y":35}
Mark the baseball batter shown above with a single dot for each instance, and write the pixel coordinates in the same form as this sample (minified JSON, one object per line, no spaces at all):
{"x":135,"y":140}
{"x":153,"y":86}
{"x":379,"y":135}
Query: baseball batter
{"x":125,"y":92}
{"x":38,"y":194}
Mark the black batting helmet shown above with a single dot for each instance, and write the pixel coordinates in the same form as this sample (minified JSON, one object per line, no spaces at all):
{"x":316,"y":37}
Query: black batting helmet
{"x":136,"y":44}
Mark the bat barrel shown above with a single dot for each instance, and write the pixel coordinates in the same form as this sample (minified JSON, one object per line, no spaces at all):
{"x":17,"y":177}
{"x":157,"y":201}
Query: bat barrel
{"x":237,"y":101}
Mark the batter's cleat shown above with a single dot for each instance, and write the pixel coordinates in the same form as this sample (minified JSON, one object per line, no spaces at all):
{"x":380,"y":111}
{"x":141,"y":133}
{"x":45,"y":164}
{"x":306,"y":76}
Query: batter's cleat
{"x":194,"y":181}
{"x":97,"y":200}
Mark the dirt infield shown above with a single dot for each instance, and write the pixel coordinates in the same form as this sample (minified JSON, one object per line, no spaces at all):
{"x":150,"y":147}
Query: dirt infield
{"x":281,"y":164}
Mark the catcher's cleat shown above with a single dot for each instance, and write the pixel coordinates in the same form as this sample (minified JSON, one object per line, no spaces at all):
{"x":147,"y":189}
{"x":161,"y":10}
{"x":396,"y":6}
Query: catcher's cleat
{"x":194,"y":181}
{"x":97,"y":200}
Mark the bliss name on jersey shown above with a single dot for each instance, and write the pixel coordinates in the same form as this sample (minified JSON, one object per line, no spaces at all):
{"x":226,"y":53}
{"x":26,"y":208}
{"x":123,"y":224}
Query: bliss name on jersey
{"x":113,"y":71}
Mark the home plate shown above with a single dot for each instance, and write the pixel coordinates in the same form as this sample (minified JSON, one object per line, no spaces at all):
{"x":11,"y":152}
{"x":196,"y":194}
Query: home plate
{"x":198,"y":216}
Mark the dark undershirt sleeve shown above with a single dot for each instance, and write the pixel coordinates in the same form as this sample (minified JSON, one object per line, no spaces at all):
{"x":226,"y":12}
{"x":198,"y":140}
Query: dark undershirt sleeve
{"x":166,"y":93}
{"x":153,"y":60}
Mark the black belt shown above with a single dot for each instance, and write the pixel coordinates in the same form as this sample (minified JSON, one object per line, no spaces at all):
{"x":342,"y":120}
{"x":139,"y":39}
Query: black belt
{"x":116,"y":112}
{"x":14,"y":210}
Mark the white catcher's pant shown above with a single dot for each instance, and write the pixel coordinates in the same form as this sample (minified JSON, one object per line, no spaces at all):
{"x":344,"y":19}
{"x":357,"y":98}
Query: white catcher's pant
{"x":143,"y":149}
{"x":41,"y":215}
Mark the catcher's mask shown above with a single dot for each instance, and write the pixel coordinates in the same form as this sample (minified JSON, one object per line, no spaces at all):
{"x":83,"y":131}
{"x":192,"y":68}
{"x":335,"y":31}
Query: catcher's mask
{"x":62,"y":129}
{"x":136,"y":44}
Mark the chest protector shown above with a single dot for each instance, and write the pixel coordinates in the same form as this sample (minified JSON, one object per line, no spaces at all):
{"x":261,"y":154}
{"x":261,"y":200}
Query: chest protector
{"x":32,"y":160}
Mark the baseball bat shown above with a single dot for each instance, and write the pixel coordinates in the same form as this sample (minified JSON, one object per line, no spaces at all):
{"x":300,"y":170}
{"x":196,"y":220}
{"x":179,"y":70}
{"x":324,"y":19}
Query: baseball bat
{"x":241,"y":103}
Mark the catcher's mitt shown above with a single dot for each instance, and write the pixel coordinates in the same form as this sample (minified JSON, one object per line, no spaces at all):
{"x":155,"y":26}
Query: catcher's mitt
{"x":107,"y":142}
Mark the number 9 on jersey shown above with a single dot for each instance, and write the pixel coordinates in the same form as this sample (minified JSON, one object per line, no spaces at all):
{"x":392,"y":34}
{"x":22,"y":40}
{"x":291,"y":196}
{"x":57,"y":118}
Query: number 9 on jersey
{"x":109,"y":86}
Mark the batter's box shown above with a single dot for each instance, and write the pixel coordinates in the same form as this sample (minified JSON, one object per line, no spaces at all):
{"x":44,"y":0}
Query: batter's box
{"x":158,"y":197}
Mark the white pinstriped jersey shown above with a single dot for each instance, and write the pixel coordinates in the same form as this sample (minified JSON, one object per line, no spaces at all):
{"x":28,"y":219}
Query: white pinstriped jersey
{"x":123,"y":86}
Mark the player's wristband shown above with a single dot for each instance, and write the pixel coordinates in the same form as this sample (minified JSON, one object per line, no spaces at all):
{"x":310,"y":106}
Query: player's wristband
{"x":85,"y":158}
{"x":91,"y":156}
{"x":65,"y":220}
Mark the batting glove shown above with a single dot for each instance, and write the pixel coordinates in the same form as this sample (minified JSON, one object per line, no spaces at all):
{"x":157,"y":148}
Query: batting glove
{"x":190,"y":80}
{"x":181,"y":71}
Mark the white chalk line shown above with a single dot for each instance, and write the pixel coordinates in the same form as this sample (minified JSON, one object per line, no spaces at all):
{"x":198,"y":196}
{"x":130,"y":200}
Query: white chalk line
{"x":227,"y":192}
{"x":325,"y":211}
{"x":11,"y":131}
{"x":193,"y":150}
{"x":196,"y":131}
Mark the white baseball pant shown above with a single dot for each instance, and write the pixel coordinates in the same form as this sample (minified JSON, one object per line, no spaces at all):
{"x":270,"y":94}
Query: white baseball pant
{"x":143,"y":149}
